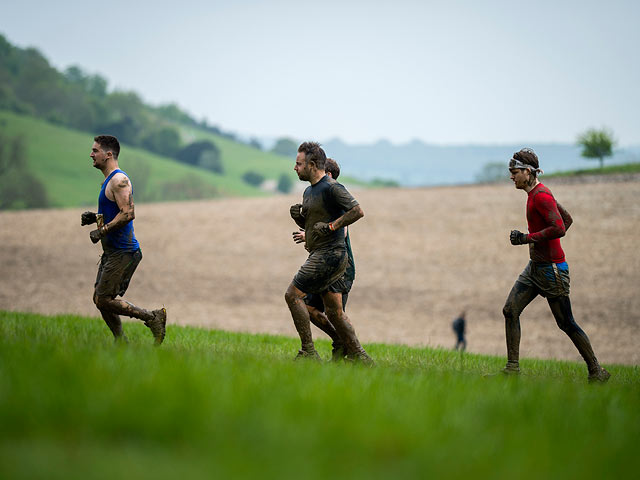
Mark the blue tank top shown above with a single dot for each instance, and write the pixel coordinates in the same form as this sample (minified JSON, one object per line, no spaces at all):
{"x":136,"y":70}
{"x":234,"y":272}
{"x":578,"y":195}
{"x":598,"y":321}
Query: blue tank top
{"x":122,"y":238}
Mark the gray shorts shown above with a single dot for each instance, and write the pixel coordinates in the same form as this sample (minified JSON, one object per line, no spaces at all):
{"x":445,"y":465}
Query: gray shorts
{"x":323,"y":271}
{"x":115,"y":272}
{"x":551,"y":279}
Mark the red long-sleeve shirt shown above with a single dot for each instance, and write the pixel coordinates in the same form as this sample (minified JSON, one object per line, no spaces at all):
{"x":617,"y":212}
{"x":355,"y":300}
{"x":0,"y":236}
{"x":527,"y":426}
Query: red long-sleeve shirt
{"x":546,"y":226}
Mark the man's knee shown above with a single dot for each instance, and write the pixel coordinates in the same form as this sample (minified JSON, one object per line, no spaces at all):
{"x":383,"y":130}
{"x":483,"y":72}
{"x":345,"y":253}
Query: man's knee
{"x":567,"y":324}
{"x":101,"y":301}
{"x":508,"y":311}
{"x":292,"y":295}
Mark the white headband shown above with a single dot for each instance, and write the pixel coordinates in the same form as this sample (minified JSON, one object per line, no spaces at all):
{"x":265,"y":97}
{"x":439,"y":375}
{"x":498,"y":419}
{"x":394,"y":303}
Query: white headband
{"x":513,"y":163}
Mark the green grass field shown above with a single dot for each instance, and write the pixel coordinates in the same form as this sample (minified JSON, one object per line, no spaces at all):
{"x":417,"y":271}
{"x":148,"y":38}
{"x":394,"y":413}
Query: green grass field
{"x":213,"y":404}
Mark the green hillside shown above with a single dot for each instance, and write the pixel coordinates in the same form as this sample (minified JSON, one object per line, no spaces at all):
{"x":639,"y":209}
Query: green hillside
{"x":239,"y":158}
{"x":167,"y":152}
{"x":59,"y":158}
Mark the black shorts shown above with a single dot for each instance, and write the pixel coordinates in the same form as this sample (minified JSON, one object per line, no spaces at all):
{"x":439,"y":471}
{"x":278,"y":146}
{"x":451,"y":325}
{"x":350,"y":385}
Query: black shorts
{"x":315,"y":300}
{"x":323,"y":271}
{"x":115,"y":272}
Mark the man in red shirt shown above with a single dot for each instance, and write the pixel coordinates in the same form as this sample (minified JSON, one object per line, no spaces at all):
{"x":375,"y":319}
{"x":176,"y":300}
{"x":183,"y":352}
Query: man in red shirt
{"x":547,"y":272}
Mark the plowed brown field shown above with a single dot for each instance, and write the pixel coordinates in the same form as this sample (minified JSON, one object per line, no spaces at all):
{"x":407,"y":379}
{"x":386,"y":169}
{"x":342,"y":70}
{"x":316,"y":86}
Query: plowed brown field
{"x":422,"y":255}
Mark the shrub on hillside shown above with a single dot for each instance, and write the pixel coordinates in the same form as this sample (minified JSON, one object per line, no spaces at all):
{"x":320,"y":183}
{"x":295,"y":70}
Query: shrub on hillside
{"x":18,"y":187}
{"x":285,"y":184}
{"x":202,"y":154}
{"x":253,"y":178}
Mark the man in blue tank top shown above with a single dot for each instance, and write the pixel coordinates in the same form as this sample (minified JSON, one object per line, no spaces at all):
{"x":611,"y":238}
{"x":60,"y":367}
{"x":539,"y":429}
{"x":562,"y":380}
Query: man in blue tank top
{"x":121,"y":250}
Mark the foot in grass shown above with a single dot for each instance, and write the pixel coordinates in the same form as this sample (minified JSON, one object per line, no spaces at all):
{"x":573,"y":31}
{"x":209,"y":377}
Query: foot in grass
{"x":337,"y":352}
{"x":308,"y":355}
{"x":157,"y":324}
{"x":511,"y":369}
{"x":360,"y":357}
{"x":599,"y":376}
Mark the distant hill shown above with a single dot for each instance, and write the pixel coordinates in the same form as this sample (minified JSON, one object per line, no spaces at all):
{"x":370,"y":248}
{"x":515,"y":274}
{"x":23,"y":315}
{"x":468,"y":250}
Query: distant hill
{"x":59,"y":158}
{"x":54,"y":115}
{"x":420,"y":164}
{"x":75,"y":100}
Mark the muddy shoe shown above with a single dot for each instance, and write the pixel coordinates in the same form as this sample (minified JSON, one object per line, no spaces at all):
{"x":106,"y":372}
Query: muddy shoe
{"x":361,"y":357}
{"x":337,"y":353}
{"x":305,"y":355}
{"x":511,"y":369}
{"x":157,"y":324}
{"x":600,"y":376}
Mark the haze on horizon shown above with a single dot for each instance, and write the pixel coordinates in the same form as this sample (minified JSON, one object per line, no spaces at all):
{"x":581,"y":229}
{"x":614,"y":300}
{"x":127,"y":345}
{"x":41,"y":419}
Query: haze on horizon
{"x":458,"y":72}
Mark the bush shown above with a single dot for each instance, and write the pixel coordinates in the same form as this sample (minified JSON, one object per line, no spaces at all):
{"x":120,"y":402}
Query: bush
{"x":285,"y":147}
{"x":203,"y":154}
{"x":253,"y":178}
{"x":285,"y":184}
{"x":18,"y":187}
{"x":164,"y":141}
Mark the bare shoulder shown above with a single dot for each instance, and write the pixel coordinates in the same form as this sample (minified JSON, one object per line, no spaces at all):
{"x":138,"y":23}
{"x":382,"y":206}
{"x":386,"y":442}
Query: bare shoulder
{"x":119,"y":182}
{"x":118,"y":185}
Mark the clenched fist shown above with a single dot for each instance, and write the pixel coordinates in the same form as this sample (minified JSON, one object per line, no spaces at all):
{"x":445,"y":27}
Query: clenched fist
{"x":296,"y":211}
{"x":96,"y":235}
{"x":322,"y":229}
{"x":87,"y":218}
{"x":518,"y":238}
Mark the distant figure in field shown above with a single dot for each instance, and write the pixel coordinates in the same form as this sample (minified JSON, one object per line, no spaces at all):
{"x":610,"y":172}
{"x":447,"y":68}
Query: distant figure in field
{"x":327,"y":207}
{"x":314,"y":301}
{"x":459,"y":326}
{"x":121,"y":250}
{"x":547,"y":272}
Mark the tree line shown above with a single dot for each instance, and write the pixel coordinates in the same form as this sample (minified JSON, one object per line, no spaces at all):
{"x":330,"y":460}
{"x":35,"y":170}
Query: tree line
{"x":30,"y":85}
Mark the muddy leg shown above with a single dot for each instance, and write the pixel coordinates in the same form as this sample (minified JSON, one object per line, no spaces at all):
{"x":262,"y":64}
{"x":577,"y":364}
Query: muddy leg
{"x":339,"y":319}
{"x":301,"y":320}
{"x":114,"y":323}
{"x":320,"y":320}
{"x":561,"y":309}
{"x":520,"y":296}
{"x":116,"y":307}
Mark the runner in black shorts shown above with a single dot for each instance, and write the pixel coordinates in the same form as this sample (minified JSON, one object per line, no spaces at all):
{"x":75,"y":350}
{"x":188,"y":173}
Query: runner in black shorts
{"x":313,"y":300}
{"x":326,"y":209}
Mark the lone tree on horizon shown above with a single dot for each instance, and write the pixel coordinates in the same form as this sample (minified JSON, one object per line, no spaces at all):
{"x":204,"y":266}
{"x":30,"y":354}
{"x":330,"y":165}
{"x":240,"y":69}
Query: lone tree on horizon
{"x":597,"y":144}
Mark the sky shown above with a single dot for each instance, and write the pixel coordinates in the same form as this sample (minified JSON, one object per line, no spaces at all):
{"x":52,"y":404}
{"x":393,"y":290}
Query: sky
{"x":443,"y":72}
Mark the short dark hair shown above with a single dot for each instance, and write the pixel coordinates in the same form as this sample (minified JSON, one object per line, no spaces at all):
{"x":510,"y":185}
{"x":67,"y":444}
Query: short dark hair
{"x":109,"y":143}
{"x":313,"y":152}
{"x":528,"y":157}
{"x":332,"y":167}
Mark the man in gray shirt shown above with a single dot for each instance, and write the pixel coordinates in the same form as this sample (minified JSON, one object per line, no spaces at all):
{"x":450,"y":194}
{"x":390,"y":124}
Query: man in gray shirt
{"x":327,"y":208}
